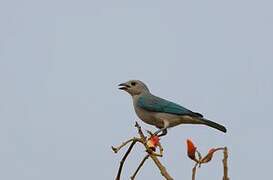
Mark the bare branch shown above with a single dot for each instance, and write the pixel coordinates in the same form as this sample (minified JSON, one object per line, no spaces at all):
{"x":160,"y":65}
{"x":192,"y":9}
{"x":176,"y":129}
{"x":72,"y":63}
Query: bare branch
{"x":154,"y":156}
{"x":116,"y":149}
{"x":162,"y":169}
{"x":194,"y":171}
{"x":225,"y":166}
{"x":124,"y":158}
{"x":139,"y":166}
{"x":140,"y":131}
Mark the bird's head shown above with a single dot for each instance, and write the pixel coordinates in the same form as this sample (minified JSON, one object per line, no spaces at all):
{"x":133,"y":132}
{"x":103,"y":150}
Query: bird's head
{"x":134,"y":87}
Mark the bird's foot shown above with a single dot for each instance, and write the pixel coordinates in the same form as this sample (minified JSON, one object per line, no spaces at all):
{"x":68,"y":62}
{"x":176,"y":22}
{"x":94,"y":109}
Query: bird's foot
{"x":149,"y":132}
{"x":163,"y":132}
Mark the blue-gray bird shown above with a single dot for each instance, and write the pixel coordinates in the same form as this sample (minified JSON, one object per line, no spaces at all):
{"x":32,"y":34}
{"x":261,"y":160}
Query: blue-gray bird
{"x":162,"y":113}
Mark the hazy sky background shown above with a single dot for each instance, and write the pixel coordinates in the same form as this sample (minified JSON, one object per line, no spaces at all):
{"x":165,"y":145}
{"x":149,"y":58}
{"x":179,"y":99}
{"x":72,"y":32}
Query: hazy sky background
{"x":61,"y":61}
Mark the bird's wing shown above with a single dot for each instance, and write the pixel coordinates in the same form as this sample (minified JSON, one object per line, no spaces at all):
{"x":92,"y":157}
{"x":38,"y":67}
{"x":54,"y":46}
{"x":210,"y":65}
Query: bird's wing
{"x":155,"y":104}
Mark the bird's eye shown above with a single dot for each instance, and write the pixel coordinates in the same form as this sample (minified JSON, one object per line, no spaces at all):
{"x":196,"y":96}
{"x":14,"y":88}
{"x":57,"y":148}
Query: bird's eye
{"x":133,"y":83}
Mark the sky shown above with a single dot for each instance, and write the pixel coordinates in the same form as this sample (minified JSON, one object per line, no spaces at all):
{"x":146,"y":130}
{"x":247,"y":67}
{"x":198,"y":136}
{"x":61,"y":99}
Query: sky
{"x":61,"y":62}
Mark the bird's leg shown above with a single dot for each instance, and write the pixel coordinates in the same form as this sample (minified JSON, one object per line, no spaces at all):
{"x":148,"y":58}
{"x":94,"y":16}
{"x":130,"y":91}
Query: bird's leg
{"x":163,"y":130}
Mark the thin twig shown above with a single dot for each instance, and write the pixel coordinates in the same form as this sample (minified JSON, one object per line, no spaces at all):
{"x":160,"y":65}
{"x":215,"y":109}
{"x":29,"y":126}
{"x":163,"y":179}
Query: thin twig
{"x":155,"y":154}
{"x":160,"y":149}
{"x":225,"y":165}
{"x":140,"y":131}
{"x":139,"y":166}
{"x":116,"y":149}
{"x":124,"y":158}
{"x":194,"y":171}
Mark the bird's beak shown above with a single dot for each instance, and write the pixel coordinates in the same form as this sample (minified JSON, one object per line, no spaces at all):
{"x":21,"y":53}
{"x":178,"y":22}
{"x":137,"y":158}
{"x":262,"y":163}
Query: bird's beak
{"x":123,"y":86}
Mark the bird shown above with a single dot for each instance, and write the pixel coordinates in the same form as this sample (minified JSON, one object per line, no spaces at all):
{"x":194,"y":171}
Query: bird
{"x":160,"y":112}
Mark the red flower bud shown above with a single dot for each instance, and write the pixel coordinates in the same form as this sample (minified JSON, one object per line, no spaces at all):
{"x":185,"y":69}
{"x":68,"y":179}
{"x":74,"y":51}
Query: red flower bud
{"x":191,"y":149}
{"x":153,"y":142}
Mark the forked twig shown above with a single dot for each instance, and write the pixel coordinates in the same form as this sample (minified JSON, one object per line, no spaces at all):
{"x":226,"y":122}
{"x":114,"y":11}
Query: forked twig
{"x":208,"y":158}
{"x":124,"y":158}
{"x":154,"y":156}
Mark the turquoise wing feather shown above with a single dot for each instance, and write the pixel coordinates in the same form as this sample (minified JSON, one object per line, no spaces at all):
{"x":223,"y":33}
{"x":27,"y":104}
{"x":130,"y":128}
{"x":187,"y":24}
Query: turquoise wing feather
{"x":153,"y":103}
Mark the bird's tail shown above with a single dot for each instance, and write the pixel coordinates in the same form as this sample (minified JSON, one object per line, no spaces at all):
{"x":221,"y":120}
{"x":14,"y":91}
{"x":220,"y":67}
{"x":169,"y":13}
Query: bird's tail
{"x":213,"y":124}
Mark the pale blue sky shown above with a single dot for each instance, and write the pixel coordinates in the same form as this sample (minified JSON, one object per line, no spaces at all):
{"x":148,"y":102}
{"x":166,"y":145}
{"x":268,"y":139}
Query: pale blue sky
{"x":61,"y":61}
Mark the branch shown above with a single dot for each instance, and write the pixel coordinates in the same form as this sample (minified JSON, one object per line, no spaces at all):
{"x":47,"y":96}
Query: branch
{"x":139,"y":166}
{"x":192,"y":151}
{"x":140,"y":132}
{"x":154,"y":156}
{"x":116,"y":149}
{"x":225,"y":166}
{"x":194,"y":171}
{"x":124,"y":158}
{"x":162,"y":169}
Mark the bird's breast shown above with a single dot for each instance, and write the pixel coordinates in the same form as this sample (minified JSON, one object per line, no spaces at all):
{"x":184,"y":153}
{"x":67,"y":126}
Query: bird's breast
{"x":146,"y":116}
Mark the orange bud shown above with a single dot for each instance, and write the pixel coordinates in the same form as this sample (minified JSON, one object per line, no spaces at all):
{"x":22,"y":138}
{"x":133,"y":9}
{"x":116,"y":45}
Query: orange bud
{"x":191,"y":149}
{"x":153,"y":142}
{"x":209,"y":156}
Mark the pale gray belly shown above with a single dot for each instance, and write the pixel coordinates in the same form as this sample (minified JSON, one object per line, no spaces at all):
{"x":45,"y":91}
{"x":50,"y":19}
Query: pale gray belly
{"x":156,"y":118}
{"x":149,"y":117}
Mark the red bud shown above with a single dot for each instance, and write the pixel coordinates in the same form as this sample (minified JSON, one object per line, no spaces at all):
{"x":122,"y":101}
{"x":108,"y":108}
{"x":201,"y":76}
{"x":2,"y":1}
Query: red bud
{"x":153,"y":142}
{"x":191,"y":149}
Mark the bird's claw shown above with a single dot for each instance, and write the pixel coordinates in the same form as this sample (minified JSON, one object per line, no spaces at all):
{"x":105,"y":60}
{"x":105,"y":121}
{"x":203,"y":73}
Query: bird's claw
{"x":163,"y":132}
{"x":149,"y":132}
